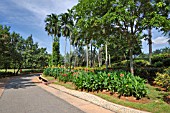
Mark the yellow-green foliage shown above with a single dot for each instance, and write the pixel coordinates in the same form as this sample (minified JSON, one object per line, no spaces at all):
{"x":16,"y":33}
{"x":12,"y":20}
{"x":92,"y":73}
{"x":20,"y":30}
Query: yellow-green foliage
{"x":163,"y":80}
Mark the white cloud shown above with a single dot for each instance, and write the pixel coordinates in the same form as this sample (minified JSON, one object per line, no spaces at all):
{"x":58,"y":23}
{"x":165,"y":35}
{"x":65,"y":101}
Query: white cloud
{"x":41,"y":8}
{"x":160,"y":40}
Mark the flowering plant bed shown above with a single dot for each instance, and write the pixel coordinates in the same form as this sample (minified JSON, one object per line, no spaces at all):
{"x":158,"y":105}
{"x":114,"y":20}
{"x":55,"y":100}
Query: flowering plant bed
{"x":121,"y":82}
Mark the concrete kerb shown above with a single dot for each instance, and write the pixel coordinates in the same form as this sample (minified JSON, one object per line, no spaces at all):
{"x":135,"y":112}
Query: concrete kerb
{"x":94,"y":99}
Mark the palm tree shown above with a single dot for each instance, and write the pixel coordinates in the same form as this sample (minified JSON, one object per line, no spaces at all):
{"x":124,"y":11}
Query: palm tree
{"x":67,"y":28}
{"x":53,"y":27}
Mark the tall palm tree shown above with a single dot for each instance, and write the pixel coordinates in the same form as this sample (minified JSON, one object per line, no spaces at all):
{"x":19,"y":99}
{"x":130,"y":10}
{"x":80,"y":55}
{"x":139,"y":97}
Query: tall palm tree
{"x":67,"y":27}
{"x":53,"y":27}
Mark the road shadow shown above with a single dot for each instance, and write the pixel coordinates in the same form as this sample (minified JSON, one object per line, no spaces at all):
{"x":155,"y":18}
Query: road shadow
{"x":22,"y":81}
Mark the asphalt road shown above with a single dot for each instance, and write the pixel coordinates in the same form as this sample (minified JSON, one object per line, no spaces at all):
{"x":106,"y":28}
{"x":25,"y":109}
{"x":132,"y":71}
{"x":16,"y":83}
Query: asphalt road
{"x":21,"y":95}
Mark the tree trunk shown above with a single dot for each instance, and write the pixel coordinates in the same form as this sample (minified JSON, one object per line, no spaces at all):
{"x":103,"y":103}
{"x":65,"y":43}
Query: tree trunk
{"x":65,"y":51}
{"x":94,"y":56}
{"x":52,"y":51}
{"x":106,"y":57}
{"x":75,"y":58}
{"x":14,"y":67}
{"x":150,"y":44}
{"x":109,"y":61}
{"x":99,"y":58}
{"x":91,"y":55}
{"x":18,"y":69}
{"x":70,"y":55}
{"x":131,"y":62}
{"x":87,"y":58}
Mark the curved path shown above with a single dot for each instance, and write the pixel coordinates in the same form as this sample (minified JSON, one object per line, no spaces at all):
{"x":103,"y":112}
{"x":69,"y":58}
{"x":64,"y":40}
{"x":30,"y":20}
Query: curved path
{"x":21,"y":95}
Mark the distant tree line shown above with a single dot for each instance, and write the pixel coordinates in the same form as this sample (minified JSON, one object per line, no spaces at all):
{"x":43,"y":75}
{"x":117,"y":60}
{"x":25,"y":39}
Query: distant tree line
{"x":18,"y":53}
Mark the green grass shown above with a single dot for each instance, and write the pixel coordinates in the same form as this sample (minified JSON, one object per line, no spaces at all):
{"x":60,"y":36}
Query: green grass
{"x":69,"y":86}
{"x":155,"y":105}
{"x":12,"y":70}
{"x":49,"y":78}
{"x":9,"y":70}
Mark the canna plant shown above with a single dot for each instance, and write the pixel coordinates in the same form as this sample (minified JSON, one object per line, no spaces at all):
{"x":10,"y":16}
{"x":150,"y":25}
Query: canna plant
{"x":121,"y":82}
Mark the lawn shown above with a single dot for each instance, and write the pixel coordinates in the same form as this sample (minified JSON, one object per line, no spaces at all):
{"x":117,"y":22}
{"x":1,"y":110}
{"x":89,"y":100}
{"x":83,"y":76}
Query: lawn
{"x":155,"y":100}
{"x":9,"y":70}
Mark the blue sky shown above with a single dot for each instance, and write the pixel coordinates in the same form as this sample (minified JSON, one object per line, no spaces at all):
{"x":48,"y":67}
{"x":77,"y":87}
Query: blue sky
{"x":27,"y":17}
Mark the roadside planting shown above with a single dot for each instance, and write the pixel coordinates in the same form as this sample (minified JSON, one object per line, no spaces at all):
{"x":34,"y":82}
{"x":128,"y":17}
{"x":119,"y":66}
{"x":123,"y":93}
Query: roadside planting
{"x":121,"y":82}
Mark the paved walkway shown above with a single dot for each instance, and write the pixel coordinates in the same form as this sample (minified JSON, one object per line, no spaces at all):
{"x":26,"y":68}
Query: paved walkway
{"x":21,"y":95}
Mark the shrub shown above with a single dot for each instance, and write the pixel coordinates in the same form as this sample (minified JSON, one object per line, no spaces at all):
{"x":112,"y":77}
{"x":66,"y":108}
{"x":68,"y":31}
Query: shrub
{"x":47,"y":71}
{"x":66,"y":77}
{"x":167,"y":70}
{"x":163,"y":80}
{"x":121,"y":82}
{"x":158,"y":64}
{"x":148,"y":72}
{"x":118,"y":81}
{"x":166,"y":62}
{"x":160,"y":57}
{"x":141,"y":63}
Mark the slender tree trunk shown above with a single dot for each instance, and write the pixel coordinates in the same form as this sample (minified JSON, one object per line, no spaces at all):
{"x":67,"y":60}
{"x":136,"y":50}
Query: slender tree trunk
{"x":14,"y":67}
{"x":109,"y":61}
{"x":75,"y":58}
{"x":65,"y":51}
{"x":94,"y":56}
{"x":70,"y":54}
{"x":99,"y":58}
{"x":52,"y":51}
{"x":18,"y":69}
{"x":150,"y":44}
{"x":87,"y":58}
{"x":106,"y":57}
{"x":91,"y":55}
{"x":131,"y":62}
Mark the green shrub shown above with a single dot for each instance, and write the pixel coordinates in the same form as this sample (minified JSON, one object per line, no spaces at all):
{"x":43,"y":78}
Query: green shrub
{"x":141,"y":63}
{"x":158,"y":64}
{"x":163,"y":79}
{"x":160,"y":57}
{"x":47,"y":71}
{"x":66,"y":76}
{"x":148,"y":72}
{"x":167,"y":70}
{"x":114,"y":81}
{"x":166,"y":62}
{"x":121,"y":82}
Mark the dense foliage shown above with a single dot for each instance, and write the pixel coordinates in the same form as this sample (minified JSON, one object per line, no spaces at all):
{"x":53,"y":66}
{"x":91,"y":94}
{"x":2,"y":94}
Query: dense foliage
{"x":117,"y":82}
{"x":17,"y":52}
{"x":163,"y":79}
{"x":112,"y":34}
{"x":56,"y":54}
